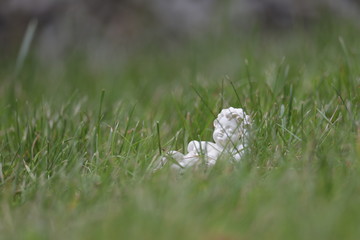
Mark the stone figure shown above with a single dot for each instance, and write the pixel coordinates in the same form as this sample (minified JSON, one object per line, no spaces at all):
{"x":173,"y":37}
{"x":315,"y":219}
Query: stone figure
{"x":230,"y":134}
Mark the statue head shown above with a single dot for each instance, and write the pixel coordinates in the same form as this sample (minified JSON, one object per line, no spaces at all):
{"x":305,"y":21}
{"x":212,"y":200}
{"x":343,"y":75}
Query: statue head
{"x":231,"y":127}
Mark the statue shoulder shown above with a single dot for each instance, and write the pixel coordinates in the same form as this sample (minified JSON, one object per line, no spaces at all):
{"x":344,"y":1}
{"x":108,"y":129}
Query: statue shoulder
{"x":200,"y":146}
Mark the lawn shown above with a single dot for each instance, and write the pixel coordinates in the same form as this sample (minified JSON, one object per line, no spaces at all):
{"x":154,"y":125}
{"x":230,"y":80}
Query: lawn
{"x":78,"y":147}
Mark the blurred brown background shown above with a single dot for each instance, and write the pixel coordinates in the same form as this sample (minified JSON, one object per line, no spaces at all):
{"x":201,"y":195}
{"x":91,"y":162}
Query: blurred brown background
{"x":101,"y":27}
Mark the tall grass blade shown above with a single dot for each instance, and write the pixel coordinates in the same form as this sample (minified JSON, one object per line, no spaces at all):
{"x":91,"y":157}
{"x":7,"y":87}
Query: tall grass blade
{"x":25,"y":45}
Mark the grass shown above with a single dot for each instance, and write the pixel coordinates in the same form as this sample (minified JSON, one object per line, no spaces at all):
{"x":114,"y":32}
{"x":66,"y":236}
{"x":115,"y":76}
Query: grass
{"x":77,"y":162}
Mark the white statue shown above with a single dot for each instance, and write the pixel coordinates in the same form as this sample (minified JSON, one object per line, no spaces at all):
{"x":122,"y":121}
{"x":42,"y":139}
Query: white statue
{"x":230,"y":134}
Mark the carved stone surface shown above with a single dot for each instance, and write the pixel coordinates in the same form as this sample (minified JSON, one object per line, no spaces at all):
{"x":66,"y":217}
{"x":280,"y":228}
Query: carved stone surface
{"x":230,"y":134}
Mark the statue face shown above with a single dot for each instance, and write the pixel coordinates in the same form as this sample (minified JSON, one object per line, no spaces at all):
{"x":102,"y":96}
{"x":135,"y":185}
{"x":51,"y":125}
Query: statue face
{"x":226,"y":132}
